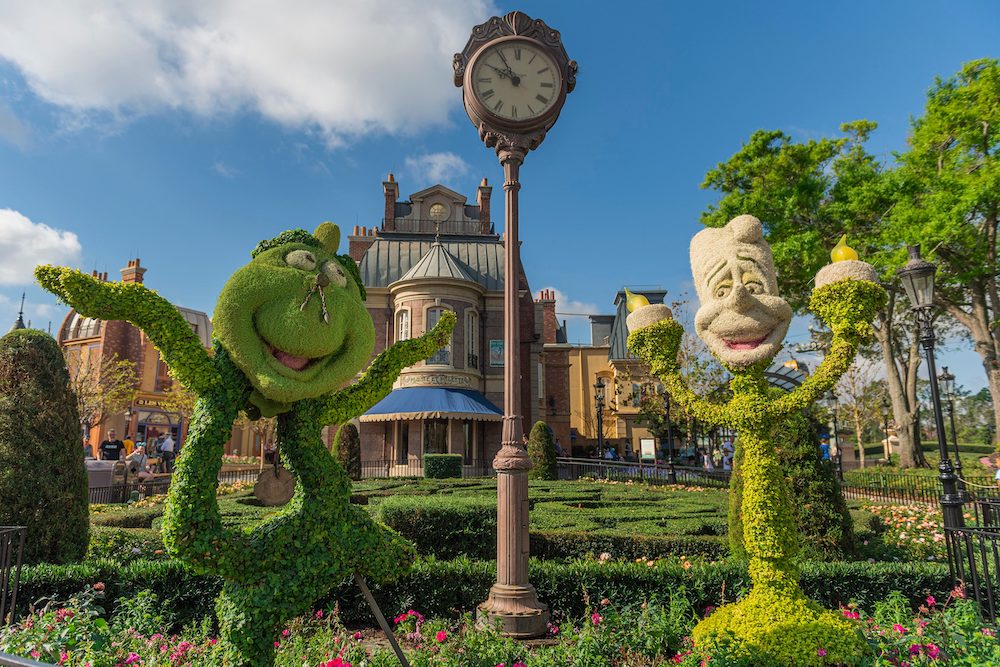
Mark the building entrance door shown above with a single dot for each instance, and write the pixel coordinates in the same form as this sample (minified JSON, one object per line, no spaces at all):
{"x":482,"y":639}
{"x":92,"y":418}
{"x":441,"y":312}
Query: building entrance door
{"x":435,"y":436}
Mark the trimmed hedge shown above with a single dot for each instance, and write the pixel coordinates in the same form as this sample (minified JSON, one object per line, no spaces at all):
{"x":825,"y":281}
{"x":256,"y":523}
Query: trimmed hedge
{"x":445,"y":526}
{"x":442,"y":466}
{"x":447,"y":588}
{"x":542,"y":451}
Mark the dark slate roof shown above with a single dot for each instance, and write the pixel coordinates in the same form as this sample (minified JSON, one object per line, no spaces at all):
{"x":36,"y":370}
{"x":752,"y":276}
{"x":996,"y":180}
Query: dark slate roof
{"x":619,"y":332}
{"x":438,"y":263}
{"x":388,"y":259}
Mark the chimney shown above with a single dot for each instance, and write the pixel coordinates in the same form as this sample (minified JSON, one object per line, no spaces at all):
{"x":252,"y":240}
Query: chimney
{"x":391,"y":189}
{"x":133,"y":272}
{"x":483,"y":199}
{"x":359,"y":242}
{"x":547,"y":300}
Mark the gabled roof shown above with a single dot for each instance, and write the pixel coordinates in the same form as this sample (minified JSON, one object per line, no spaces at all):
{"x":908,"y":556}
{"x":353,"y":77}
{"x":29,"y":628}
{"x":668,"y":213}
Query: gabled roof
{"x":619,"y":332}
{"x":389,"y":259}
{"x":447,"y":193}
{"x":438,"y":263}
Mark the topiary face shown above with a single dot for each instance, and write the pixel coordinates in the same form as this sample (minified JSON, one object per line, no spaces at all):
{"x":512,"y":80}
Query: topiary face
{"x":741,"y":319}
{"x":294,"y":320}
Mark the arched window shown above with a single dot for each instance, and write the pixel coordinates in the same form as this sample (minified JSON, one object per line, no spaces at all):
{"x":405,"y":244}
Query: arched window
{"x":443,"y":356}
{"x":403,"y":325}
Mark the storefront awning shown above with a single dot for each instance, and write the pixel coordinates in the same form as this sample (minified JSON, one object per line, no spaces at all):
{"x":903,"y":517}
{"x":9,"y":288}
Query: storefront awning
{"x":433,"y":403}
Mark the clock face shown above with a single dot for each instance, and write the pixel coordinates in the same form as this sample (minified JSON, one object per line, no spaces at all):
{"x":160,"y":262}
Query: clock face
{"x":516,"y":80}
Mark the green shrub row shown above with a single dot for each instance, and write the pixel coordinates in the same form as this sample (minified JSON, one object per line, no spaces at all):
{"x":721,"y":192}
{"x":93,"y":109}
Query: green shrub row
{"x":442,"y":466}
{"x":447,"y":588}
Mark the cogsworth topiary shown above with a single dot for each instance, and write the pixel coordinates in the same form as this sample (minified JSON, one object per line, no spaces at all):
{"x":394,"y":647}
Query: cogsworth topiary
{"x":743,"y":321}
{"x":290,"y":331}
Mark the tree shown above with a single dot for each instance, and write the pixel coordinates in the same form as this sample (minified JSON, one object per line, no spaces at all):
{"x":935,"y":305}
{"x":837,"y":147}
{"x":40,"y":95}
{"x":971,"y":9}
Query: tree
{"x":807,"y":195}
{"x":948,"y":200}
{"x":347,"y":448}
{"x":860,"y":394}
{"x":542,"y":451}
{"x":103,"y":386}
{"x":178,"y":399}
{"x":43,"y":482}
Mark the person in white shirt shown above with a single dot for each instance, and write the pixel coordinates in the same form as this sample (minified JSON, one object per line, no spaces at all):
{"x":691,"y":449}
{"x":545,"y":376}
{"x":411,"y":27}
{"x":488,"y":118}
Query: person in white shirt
{"x":138,"y":464}
{"x":167,"y":453}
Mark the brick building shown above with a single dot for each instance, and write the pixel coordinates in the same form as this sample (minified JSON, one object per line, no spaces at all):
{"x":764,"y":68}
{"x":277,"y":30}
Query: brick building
{"x":437,"y":252}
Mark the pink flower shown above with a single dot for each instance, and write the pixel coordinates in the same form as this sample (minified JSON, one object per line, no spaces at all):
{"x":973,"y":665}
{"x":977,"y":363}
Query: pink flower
{"x":336,"y":662}
{"x":899,"y":628}
{"x":821,"y":652}
{"x":932,"y":651}
{"x":132,"y":658}
{"x":63,"y":657}
{"x":441,"y":636}
{"x":277,"y":644}
{"x":915,"y":649}
{"x":989,"y":632}
{"x":319,"y":613}
{"x":356,"y":635}
{"x":596,"y":618}
{"x":519,"y":664}
{"x":931,"y":601}
{"x":285,"y":632}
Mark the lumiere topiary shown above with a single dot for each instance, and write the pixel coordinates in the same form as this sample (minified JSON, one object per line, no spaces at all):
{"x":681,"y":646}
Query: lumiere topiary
{"x":743,"y":320}
{"x":290,"y":329}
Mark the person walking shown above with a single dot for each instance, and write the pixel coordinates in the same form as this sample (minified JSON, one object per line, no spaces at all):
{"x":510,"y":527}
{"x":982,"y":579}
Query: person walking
{"x":167,"y":452}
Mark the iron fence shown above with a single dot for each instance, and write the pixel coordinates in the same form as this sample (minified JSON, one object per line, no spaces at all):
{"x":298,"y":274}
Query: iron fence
{"x":901,"y":488}
{"x":572,"y":469}
{"x":974,"y":559}
{"x":11,"y":556}
{"x":122,"y":493}
{"x":384,"y":468}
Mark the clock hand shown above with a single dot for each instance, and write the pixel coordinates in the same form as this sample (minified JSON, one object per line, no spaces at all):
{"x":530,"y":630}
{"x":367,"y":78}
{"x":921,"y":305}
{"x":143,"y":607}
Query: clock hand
{"x":514,"y":78}
{"x":503,"y":73}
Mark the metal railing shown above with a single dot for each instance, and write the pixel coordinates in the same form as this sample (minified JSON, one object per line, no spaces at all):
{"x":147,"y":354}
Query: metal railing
{"x":901,"y":488}
{"x":658,"y":473}
{"x":974,"y":559}
{"x":438,"y":226}
{"x":11,"y":556}
{"x":384,"y":468}
{"x":122,"y":493}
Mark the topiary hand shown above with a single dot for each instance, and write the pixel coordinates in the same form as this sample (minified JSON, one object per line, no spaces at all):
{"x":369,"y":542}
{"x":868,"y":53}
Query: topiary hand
{"x":848,"y":306}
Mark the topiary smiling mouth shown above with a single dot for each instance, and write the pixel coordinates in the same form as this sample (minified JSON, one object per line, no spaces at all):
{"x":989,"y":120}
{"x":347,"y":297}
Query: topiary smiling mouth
{"x":289,"y":360}
{"x":745,"y":344}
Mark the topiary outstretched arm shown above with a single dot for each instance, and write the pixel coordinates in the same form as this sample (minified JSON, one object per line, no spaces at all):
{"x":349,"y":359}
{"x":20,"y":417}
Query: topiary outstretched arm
{"x":848,"y":308}
{"x":180,"y":347}
{"x":658,"y":345}
{"x":376,"y":382}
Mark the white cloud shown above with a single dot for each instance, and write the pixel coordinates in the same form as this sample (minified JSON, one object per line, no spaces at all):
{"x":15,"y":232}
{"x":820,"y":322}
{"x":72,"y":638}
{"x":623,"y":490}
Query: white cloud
{"x":25,"y":244}
{"x":570,"y":308}
{"x":339,"y":67}
{"x":436,"y":167}
{"x":224,"y":170}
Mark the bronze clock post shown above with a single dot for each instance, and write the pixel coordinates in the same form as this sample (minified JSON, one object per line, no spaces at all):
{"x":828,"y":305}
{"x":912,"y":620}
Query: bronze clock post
{"x":514,"y":74}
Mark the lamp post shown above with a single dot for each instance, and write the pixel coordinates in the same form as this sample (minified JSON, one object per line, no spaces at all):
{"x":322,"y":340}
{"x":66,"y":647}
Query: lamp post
{"x":948,"y":390}
{"x":128,"y":422}
{"x":886,"y":448}
{"x":671,"y":471}
{"x":599,"y":399}
{"x":831,"y":404}
{"x":917,"y":276}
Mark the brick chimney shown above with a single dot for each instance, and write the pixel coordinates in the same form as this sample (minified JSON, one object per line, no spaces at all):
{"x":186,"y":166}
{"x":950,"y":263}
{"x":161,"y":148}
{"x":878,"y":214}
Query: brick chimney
{"x":391,"y":189}
{"x":483,"y":199}
{"x":360,"y":240}
{"x":547,"y":300}
{"x":133,"y":272}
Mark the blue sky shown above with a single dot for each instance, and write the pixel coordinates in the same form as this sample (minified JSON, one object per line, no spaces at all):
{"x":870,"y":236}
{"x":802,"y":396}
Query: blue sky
{"x":184,"y":132}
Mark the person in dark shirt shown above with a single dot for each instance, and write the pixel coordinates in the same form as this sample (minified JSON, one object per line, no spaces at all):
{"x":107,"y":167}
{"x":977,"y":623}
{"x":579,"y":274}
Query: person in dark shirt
{"x":112,"y":447}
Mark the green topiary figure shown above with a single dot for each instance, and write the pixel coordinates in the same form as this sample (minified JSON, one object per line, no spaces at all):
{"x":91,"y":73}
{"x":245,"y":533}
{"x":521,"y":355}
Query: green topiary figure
{"x":43,"y":481}
{"x":821,"y":514}
{"x":290,"y":330}
{"x":743,"y":321}
{"x":347,"y":448}
{"x":542,"y":451}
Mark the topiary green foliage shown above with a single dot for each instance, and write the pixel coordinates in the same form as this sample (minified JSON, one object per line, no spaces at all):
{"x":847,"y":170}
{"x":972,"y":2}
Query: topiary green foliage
{"x":347,"y":447}
{"x":290,"y":330}
{"x":542,"y":451}
{"x":43,"y":482}
{"x":821,"y":514}
{"x":776,"y":618}
{"x":442,"y":466}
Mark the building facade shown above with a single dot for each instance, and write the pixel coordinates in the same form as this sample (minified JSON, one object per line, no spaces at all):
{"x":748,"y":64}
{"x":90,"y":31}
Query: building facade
{"x":436,"y":252}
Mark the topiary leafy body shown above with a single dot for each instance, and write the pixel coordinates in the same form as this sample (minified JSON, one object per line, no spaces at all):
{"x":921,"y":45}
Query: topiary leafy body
{"x":43,"y":481}
{"x":290,"y":330}
{"x":775,"y":619}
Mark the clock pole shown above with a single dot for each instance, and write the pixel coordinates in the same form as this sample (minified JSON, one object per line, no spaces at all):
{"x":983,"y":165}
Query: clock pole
{"x":512,"y":600}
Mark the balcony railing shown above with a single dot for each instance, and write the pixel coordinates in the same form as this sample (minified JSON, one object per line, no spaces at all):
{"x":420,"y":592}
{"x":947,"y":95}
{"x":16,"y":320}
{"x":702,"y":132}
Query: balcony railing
{"x":454,"y":227}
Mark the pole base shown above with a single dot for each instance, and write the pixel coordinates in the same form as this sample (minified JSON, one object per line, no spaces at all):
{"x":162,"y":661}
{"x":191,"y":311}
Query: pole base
{"x":516,"y":609}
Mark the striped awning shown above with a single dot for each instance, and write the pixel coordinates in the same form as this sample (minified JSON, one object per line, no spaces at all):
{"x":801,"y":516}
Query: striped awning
{"x":433,"y":403}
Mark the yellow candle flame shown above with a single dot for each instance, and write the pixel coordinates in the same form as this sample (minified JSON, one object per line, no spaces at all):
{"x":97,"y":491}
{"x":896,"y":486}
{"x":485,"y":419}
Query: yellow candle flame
{"x":843,"y":252}
{"x":634,"y":301}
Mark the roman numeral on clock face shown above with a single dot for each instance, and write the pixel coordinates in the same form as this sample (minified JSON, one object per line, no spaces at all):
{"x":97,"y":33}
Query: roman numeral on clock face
{"x":498,"y":106}
{"x":543,"y":100}
{"x":487,"y":94}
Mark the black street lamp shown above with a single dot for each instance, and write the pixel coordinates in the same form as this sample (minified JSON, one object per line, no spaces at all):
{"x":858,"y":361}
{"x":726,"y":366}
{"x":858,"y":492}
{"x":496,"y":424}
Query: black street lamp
{"x":948,"y":390}
{"x":887,"y":448}
{"x":917,"y":277}
{"x":670,"y":442}
{"x":128,"y":421}
{"x":599,"y":398}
